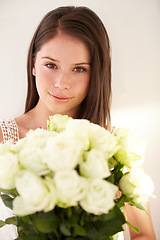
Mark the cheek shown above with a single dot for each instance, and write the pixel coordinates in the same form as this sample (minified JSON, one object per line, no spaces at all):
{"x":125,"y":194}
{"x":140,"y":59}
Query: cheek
{"x":83,"y":85}
{"x":42,"y":79}
{"x":40,"y":84}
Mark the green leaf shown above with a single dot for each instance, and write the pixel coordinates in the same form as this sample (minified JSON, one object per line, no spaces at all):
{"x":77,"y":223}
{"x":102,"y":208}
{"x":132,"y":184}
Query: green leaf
{"x":53,"y":236}
{"x":45,"y":222}
{"x":64,"y":229}
{"x":7,"y":200}
{"x":78,"y":238}
{"x":116,"y":174}
{"x":103,"y":226}
{"x":12,"y":192}
{"x":121,"y":201}
{"x":91,"y":231}
{"x":133,"y":227}
{"x":111,"y":178}
{"x":11,"y":220}
{"x":69,"y":212}
{"x":2,"y":223}
{"x":25,"y":219}
{"x":79,"y":230}
{"x":24,"y":225}
{"x":29,"y":237}
{"x":71,"y":224}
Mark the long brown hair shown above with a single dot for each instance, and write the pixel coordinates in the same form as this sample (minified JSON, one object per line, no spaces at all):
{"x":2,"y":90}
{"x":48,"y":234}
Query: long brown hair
{"x":85,"y":25}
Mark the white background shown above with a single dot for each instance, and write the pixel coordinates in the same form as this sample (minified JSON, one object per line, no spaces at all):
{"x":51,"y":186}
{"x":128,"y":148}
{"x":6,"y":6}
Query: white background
{"x":134,"y":30}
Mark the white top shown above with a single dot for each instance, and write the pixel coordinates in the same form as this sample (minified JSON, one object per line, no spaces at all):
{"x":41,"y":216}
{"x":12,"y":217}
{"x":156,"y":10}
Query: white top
{"x":9,"y":232}
{"x":10,"y":132}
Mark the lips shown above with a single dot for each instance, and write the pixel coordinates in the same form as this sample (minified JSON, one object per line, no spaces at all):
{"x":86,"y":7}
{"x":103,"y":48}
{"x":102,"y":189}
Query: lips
{"x":60,"y":98}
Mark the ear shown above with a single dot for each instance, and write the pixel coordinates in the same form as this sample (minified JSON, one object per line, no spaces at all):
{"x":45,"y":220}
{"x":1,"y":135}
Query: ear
{"x":33,"y":68}
{"x":34,"y":71}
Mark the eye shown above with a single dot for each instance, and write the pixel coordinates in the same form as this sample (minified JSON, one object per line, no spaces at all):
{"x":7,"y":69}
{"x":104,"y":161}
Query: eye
{"x":79,"y":69}
{"x":51,"y":65}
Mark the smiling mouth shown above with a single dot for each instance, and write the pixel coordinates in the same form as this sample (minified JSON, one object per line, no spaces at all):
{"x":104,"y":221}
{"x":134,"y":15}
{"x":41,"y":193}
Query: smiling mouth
{"x":59,"y":98}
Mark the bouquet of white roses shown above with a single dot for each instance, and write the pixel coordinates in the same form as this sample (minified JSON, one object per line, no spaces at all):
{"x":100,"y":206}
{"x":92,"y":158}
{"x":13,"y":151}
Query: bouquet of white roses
{"x":62,"y":182}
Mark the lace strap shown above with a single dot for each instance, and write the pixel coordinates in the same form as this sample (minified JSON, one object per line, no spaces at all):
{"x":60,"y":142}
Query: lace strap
{"x":9,"y":130}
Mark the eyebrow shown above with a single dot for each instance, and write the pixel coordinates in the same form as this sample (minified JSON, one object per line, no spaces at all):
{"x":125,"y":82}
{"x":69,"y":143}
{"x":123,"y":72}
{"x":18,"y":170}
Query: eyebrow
{"x":54,"y":60}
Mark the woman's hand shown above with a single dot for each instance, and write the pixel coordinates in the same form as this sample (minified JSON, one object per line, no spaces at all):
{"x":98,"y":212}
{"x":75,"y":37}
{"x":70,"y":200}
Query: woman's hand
{"x":142,"y":221}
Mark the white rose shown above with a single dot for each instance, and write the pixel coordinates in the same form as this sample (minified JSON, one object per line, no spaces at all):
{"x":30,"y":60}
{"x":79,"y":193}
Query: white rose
{"x":4,"y":148}
{"x":78,"y":129}
{"x":122,"y":135}
{"x":37,"y":138}
{"x":94,"y":165}
{"x":100,"y":197}
{"x":16,"y":148}
{"x":127,"y":158}
{"x":137,"y":184}
{"x":57,"y":122}
{"x":103,"y":140}
{"x":62,"y":153}
{"x":8,"y":170}
{"x":70,"y":188}
{"x":32,"y":158}
{"x":36,"y":194}
{"x":132,"y":149}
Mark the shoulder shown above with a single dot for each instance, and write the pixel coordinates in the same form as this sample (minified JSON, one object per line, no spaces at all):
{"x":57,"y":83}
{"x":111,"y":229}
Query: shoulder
{"x":23,"y":125}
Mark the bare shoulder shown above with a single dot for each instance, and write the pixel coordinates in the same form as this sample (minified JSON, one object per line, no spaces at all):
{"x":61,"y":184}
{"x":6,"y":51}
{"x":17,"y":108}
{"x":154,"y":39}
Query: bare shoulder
{"x":22,"y":125}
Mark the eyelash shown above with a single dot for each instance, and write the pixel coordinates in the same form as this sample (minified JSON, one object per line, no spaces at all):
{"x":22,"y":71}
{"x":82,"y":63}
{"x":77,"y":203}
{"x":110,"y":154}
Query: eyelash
{"x":80,"y":69}
{"x":76,"y":69}
{"x":51,"y":65}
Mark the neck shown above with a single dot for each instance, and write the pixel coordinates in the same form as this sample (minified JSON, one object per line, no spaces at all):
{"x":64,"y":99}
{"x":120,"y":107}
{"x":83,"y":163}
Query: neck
{"x":38,"y":117}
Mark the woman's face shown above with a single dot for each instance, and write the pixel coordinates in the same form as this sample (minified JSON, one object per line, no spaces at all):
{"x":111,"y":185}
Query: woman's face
{"x":62,"y":72}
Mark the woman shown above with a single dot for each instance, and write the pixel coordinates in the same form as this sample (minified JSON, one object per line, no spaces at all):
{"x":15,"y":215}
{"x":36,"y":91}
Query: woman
{"x":69,"y":72}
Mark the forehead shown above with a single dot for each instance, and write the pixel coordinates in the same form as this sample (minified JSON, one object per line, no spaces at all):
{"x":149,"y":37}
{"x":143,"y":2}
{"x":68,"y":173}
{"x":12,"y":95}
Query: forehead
{"x":63,"y":45}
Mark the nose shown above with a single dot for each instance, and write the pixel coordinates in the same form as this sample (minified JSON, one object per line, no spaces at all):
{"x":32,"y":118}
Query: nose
{"x":62,"y":81}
